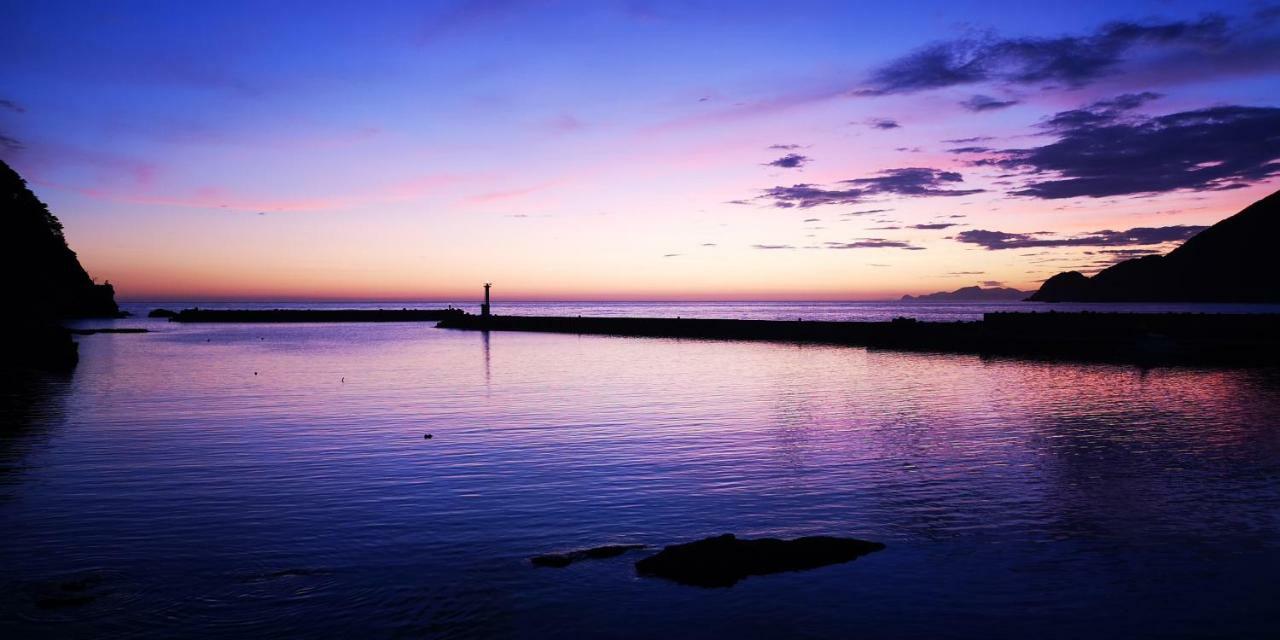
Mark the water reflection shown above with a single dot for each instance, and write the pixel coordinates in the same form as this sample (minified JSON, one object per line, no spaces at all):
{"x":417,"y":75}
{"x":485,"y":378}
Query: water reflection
{"x":31,"y":404}
{"x":484,"y":336}
{"x":192,"y":457}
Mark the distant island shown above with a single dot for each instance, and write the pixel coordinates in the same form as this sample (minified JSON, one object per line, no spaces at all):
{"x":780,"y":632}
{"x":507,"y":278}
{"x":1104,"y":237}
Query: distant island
{"x":46,"y":283}
{"x":972,"y":294}
{"x":1232,"y":261}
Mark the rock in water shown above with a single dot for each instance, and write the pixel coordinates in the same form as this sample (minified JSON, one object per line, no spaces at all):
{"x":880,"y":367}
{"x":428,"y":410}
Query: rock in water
{"x":559,"y":560}
{"x":722,"y":561}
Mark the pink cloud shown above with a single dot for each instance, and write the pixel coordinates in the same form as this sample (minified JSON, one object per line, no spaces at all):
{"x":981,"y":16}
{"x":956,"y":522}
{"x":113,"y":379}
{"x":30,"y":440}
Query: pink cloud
{"x":215,"y":197}
{"x":509,"y":194}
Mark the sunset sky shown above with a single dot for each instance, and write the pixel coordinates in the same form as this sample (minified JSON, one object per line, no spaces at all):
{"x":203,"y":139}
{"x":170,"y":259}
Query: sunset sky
{"x":632,"y":150}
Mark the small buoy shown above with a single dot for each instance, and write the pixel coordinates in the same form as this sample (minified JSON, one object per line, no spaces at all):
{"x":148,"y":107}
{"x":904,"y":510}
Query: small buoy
{"x":255,"y":373}
{"x":344,"y":379}
{"x":426,"y":436}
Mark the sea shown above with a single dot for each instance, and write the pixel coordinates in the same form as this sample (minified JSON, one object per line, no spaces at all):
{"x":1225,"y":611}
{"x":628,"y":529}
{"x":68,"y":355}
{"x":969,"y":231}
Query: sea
{"x":275,"y":480}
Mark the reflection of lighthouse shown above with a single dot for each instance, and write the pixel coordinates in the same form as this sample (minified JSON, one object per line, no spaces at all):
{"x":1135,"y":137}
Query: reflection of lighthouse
{"x":484,"y":308}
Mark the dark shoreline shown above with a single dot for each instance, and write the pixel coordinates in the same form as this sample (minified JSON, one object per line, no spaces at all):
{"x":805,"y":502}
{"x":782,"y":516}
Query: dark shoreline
{"x":1188,"y":338}
{"x":314,"y":315}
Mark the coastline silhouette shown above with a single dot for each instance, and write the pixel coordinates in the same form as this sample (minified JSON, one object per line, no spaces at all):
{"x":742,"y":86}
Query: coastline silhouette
{"x":47,"y":284}
{"x":1231,"y":261}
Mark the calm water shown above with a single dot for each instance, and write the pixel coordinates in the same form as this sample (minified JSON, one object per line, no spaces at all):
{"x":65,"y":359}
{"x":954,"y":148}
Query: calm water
{"x":1016,"y":498}
{"x":861,"y":311}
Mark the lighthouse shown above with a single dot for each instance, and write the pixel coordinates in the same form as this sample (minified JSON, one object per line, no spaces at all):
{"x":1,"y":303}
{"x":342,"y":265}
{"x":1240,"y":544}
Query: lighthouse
{"x":484,"y":308}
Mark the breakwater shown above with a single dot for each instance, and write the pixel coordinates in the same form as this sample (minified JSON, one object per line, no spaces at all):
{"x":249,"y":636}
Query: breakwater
{"x":314,"y":315}
{"x":1173,"y":337}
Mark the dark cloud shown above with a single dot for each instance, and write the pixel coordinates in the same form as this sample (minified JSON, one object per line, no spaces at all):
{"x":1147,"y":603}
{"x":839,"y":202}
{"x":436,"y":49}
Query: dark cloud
{"x":873,"y":243}
{"x":866,"y":212}
{"x":708,"y":244}
{"x":11,"y":105}
{"x":1105,"y":150}
{"x":812,"y":220}
{"x":933,"y":226}
{"x":772,"y":246}
{"x":1112,"y":256}
{"x":1070,"y":60}
{"x":9,"y":144}
{"x":783,"y":147}
{"x":969,"y":140}
{"x":997,"y":240}
{"x":1128,"y":253}
{"x":914,"y":181}
{"x":909,"y":181}
{"x":992,"y":283}
{"x":808,"y":195}
{"x":891,"y":228}
{"x":1101,"y":112}
{"x":969,"y":150}
{"x":883,"y":123}
{"x":670,"y":255}
{"x":986,"y":103}
{"x":790,"y":161}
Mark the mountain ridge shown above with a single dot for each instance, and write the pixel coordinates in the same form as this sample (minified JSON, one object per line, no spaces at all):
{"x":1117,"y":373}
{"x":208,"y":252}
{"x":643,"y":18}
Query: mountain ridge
{"x":1228,"y":262}
{"x":971,"y":294}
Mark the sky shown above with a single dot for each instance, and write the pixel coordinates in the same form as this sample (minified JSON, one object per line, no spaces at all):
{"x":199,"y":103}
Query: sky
{"x":605,"y":150}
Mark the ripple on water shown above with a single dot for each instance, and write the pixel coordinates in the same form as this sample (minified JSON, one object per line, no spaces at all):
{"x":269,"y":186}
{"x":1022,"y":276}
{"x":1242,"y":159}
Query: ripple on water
{"x":166,"y":487}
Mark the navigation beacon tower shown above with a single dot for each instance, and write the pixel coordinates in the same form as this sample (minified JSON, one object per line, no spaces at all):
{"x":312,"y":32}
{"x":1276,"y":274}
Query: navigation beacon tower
{"x":484,"y":308}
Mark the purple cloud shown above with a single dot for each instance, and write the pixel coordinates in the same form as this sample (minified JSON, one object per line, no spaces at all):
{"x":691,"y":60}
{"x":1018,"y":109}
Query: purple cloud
{"x":1073,"y":61}
{"x":790,"y":161}
{"x":998,"y":240}
{"x":1106,"y":150}
{"x":873,"y":243}
{"x":909,"y":182}
{"x":979,"y":103}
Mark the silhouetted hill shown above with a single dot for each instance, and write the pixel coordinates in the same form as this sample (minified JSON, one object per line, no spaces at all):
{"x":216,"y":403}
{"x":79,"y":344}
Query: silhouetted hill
{"x":971,"y":294}
{"x":1232,"y":261}
{"x":42,"y":274}
{"x":44,"y":282}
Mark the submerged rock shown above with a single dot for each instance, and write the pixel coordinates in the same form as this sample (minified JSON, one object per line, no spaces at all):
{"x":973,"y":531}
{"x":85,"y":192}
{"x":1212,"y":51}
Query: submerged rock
{"x":559,"y":560}
{"x":722,"y":561}
{"x":162,"y":313}
{"x":73,"y":591}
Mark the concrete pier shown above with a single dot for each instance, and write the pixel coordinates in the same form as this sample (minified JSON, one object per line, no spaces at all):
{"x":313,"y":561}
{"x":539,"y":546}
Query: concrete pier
{"x":315,"y":315}
{"x":1174,"y":338}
